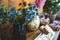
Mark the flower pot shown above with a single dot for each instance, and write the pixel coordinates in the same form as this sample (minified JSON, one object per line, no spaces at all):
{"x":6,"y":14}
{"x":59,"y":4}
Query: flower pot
{"x":19,"y":32}
{"x":34,"y":24}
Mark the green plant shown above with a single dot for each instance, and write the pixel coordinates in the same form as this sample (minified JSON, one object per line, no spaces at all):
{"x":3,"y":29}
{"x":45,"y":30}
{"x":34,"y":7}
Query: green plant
{"x":51,"y":6}
{"x":3,"y":14}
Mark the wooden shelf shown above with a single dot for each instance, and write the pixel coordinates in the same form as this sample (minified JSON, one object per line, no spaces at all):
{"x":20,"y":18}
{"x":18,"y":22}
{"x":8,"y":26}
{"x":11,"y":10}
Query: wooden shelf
{"x":32,"y":35}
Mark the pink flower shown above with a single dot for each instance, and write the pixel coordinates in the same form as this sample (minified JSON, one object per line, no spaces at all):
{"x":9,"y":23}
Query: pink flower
{"x":40,"y":3}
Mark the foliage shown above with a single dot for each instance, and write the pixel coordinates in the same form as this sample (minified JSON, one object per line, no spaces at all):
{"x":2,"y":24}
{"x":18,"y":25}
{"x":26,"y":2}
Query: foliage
{"x":3,"y":14}
{"x":52,"y":6}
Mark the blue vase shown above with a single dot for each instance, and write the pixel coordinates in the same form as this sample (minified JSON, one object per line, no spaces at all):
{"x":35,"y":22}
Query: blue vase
{"x":19,"y":32}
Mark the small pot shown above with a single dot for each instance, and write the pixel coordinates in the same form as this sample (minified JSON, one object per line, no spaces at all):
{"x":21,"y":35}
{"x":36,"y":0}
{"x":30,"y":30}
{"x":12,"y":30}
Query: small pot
{"x":34,"y":24}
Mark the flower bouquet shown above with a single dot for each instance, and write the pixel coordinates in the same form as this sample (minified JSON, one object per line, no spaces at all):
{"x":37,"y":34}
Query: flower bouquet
{"x":26,"y":16}
{"x":17,"y":19}
{"x":20,"y":18}
{"x":32,"y":17}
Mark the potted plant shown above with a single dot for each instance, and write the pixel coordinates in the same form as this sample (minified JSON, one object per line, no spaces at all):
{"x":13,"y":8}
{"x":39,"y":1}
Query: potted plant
{"x":32,"y":17}
{"x":17,"y":18}
{"x":14,"y":17}
{"x":22,"y":17}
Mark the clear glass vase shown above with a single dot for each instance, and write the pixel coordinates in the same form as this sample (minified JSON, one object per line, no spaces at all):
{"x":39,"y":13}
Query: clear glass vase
{"x":19,"y":32}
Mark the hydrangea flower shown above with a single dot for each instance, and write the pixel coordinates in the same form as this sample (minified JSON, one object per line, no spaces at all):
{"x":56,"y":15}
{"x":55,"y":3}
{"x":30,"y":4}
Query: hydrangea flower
{"x":34,"y":6}
{"x":41,"y":16}
{"x":28,"y":18}
{"x":33,"y":17}
{"x":11,"y":12}
{"x":36,"y":9}
{"x":34,"y":12}
{"x":30,"y":7}
{"x":28,"y":11}
{"x":19,"y":12}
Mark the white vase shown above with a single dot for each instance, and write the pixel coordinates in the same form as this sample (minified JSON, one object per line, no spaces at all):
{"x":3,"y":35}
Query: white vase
{"x":34,"y":24}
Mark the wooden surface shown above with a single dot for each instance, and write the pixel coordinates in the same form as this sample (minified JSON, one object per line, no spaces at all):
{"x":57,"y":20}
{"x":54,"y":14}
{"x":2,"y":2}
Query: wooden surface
{"x":32,"y":35}
{"x":5,"y":31}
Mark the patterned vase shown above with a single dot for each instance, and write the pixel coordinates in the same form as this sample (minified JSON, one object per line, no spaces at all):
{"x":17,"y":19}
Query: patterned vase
{"x":34,"y":24}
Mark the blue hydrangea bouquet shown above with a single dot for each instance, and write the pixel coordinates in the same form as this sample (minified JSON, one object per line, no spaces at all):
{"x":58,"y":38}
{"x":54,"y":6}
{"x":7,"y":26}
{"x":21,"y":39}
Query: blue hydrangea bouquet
{"x":20,"y":16}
